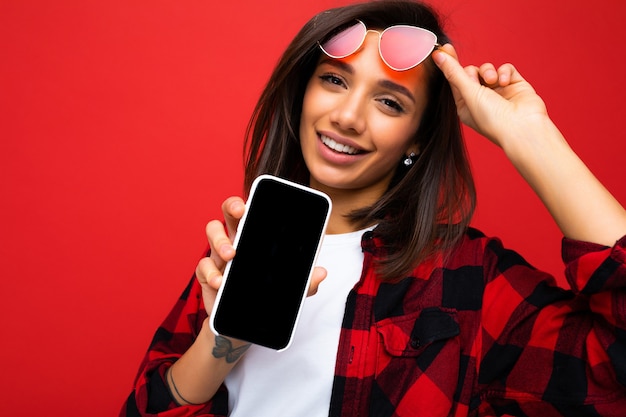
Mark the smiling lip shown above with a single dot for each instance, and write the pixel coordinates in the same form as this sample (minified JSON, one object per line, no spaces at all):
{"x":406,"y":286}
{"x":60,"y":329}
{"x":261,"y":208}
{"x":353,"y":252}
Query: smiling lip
{"x":338,"y":147}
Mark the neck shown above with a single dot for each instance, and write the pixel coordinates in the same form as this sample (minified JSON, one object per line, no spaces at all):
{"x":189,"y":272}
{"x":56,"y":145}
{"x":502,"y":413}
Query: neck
{"x":344,"y":203}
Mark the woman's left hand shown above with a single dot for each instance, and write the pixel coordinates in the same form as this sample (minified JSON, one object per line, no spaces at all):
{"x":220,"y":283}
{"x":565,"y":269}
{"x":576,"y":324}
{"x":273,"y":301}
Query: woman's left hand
{"x":496,"y":102}
{"x":502,"y":106}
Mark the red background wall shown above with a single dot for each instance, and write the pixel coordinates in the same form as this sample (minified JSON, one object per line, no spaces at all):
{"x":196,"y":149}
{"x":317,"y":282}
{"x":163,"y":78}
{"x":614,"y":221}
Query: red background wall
{"x":121,"y":125}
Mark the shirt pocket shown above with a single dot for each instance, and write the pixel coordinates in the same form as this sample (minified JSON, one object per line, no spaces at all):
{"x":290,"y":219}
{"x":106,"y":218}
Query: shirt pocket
{"x":419,"y":360}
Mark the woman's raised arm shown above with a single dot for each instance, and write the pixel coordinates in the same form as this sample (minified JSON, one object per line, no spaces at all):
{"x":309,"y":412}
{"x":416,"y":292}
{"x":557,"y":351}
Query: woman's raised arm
{"x":502,"y":106}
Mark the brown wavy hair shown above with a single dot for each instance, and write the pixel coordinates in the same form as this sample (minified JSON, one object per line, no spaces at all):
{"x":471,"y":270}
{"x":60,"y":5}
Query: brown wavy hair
{"x":426,"y":208}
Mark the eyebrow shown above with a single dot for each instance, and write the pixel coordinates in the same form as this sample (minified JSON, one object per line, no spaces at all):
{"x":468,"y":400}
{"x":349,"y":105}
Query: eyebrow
{"x":397,"y":87}
{"x":344,"y":66}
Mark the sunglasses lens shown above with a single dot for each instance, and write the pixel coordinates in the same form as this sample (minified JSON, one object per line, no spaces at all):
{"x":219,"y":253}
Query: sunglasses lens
{"x":404,"y":47}
{"x":345,"y":42}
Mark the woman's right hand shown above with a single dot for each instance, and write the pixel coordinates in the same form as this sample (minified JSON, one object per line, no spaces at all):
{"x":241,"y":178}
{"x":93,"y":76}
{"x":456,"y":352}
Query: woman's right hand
{"x":220,"y":236}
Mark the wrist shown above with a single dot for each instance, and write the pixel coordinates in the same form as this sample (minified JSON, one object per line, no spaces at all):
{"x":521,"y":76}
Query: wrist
{"x":538,"y":140}
{"x":223,"y":347}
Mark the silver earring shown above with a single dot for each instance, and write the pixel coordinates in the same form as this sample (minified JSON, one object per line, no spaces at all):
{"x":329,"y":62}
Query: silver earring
{"x":409,"y":159}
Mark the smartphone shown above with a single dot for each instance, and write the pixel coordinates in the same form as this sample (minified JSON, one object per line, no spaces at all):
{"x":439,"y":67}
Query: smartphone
{"x":277,"y":242}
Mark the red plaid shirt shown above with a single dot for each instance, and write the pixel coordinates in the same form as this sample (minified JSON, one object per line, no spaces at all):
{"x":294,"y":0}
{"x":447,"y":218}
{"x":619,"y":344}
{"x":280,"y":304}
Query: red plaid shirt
{"x":482,"y":333}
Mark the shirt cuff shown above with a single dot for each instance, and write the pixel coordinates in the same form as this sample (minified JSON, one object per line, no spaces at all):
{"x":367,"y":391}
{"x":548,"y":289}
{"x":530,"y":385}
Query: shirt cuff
{"x":592,"y":268}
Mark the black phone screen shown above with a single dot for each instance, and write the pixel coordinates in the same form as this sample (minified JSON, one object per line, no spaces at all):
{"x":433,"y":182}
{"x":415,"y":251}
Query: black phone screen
{"x":266,"y":282}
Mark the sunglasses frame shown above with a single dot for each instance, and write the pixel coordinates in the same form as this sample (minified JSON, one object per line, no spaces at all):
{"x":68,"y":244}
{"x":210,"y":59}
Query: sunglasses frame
{"x":380,"y":37}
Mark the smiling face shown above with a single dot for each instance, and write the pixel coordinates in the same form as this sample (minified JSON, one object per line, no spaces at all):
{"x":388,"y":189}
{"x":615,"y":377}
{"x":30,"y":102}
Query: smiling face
{"x":359,"y":119}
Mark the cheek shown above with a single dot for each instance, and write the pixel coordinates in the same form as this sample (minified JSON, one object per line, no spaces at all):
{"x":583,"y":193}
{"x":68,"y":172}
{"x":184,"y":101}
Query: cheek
{"x":393,"y":138}
{"x":310,"y":113}
{"x":306,"y":109}
{"x":307,"y":104}
{"x":316,"y":106}
{"x":315,"y":102}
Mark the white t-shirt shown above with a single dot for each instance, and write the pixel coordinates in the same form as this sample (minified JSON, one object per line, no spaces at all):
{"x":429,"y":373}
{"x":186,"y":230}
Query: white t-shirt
{"x":298,"y":381}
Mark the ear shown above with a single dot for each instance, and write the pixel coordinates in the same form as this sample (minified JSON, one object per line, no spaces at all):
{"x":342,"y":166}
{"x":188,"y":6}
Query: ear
{"x":413,"y":149}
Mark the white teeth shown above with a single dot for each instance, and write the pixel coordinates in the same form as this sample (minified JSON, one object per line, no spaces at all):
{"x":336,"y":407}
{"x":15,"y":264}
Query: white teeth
{"x":337,"y":146}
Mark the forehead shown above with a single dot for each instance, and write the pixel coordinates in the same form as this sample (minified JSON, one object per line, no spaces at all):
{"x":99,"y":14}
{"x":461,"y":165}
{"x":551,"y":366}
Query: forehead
{"x":368,"y":58}
{"x":365,"y":68}
{"x":401,"y":46}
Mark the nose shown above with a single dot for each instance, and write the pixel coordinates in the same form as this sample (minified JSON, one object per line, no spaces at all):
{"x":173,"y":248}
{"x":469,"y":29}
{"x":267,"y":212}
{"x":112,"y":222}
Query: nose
{"x":349,"y":112}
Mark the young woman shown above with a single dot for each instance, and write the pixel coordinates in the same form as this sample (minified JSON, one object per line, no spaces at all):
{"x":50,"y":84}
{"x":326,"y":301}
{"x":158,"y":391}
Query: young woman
{"x":412,"y":312}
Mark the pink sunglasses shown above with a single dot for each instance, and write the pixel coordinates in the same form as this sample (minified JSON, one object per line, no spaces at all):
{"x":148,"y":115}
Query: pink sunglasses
{"x":401,"y":47}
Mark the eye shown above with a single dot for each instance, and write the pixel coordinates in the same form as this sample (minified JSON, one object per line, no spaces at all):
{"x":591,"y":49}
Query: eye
{"x":332,"y":79}
{"x":392,"y":104}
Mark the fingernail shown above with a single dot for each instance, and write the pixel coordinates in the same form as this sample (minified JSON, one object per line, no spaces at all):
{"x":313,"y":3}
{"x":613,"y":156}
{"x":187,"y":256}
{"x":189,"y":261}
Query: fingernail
{"x":439,"y":56}
{"x":227,"y":250}
{"x":236,"y":205}
{"x":216,"y":281}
